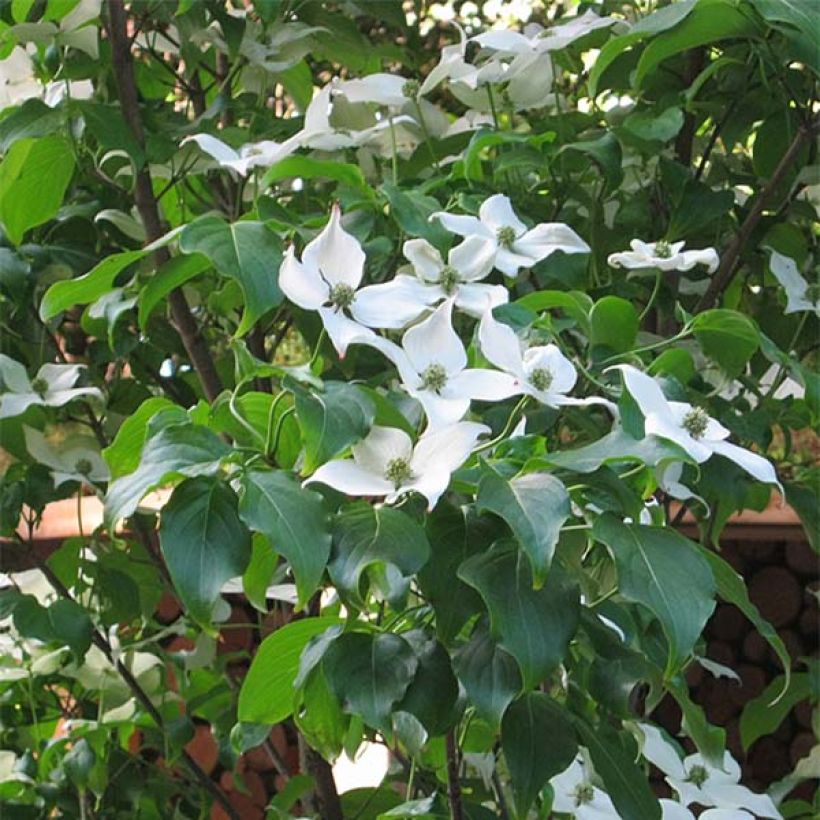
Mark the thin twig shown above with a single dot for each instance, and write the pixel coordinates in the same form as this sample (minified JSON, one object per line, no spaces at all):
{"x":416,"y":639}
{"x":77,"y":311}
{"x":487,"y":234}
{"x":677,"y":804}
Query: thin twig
{"x":722,"y":279}
{"x":453,"y":782}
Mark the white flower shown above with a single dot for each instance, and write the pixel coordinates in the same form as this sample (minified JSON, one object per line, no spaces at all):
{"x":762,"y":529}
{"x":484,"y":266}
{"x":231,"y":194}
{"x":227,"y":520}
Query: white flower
{"x":576,"y":795}
{"x":53,"y":386}
{"x":467,"y":263}
{"x":76,"y":459}
{"x":689,"y":427}
{"x":542,"y":372}
{"x":798,"y":296}
{"x":516,"y":246}
{"x":327,"y":280}
{"x":386,"y":463}
{"x":697,"y":781}
{"x":17,"y":80}
{"x":251,"y":155}
{"x":664,"y":256}
{"x":432,"y":364}
{"x":390,"y":90}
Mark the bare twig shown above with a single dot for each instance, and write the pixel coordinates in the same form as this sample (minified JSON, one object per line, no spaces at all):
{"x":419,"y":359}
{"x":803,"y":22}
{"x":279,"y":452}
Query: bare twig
{"x":453,"y":782}
{"x":723,"y":277}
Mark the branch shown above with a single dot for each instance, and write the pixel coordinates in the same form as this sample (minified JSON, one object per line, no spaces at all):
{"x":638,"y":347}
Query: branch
{"x":186,"y":325}
{"x":721,"y":280}
{"x":453,"y":783}
{"x":139,"y":693}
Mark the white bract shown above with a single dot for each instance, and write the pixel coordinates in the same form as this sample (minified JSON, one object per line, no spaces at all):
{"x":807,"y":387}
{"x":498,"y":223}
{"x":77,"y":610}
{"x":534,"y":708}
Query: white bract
{"x":697,"y":781}
{"x":327,"y":280}
{"x":391,"y":90}
{"x":542,"y":371}
{"x":576,"y":795}
{"x":432,"y":364}
{"x":691,"y":428}
{"x":251,"y":155}
{"x":17,"y":80}
{"x":385,"y":462}
{"x":798,"y":294}
{"x":516,"y":245}
{"x":53,"y":386}
{"x":77,"y":458}
{"x":467,"y":263}
{"x":663,"y":255}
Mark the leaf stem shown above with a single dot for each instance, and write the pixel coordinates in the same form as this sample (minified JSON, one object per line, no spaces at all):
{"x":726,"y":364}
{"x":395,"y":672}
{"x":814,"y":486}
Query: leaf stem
{"x":507,"y":427}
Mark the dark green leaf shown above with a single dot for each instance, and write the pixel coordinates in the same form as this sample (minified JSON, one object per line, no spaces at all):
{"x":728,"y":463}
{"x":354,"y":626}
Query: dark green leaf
{"x":613,"y":756}
{"x":293,"y":519}
{"x":605,"y":152}
{"x":369,"y":674}
{"x":247,"y":252}
{"x":331,"y":419}
{"x":533,"y":625}
{"x":308,"y":168}
{"x":613,"y":324}
{"x":616,"y":446}
{"x":539,"y":742}
{"x":727,"y":337}
{"x":203,"y":541}
{"x":181,"y":450}
{"x":763,"y":715}
{"x":267,"y":692}
{"x":535,"y":506}
{"x":664,"y":572}
{"x":173,"y":274}
{"x":365,"y":536}
{"x":489,"y":675}
{"x":411,"y":210}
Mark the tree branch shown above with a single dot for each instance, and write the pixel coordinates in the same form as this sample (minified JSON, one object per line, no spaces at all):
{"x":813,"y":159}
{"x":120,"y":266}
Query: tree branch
{"x":721,"y":280}
{"x":139,"y":693}
{"x":453,"y":782}
{"x":186,"y":325}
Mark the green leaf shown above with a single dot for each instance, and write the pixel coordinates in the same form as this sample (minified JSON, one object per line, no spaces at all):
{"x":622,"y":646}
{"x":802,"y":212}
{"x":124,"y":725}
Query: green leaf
{"x":660,"y":20}
{"x":606,"y":153}
{"x":97,"y":282}
{"x":613,"y":324}
{"x":617,"y":446}
{"x":708,"y":22}
{"x":534,"y":625}
{"x":268,"y":689}
{"x":710,"y":740}
{"x":528,"y":723}
{"x":535,"y":506}
{"x":123,"y":454}
{"x":654,"y":126}
{"x":699,"y":207}
{"x":732,"y":588}
{"x":331,"y":419}
{"x":203,"y":541}
{"x":295,"y":522}
{"x":370,"y":674}
{"x":32,"y":119}
{"x":63,"y":622}
{"x":319,"y":717}
{"x":247,"y":252}
{"x":433,"y":694}
{"x":308,"y":168}
{"x":454,"y":534}
{"x":366,"y":537}
{"x":181,"y":450}
{"x":78,"y":764}
{"x":665,"y":572}
{"x":763,"y":715}
{"x":613,"y":756}
{"x":490,"y":676}
{"x":260,"y":571}
{"x":798,"y":24}
{"x":727,"y":337}
{"x":412,"y":210}
{"x":574,"y":303}
{"x":173,"y":274}
{"x":34,"y":176}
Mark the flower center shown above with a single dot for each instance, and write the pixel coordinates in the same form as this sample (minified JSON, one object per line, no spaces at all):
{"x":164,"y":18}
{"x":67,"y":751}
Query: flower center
{"x":411,"y":89}
{"x":505,"y":236}
{"x":40,"y":387}
{"x":398,"y":471}
{"x":83,"y":466}
{"x":663,"y":250}
{"x":433,"y":377}
{"x":449,"y":279}
{"x":695,"y":422}
{"x":342,"y":295}
{"x":584,"y":793}
{"x":541,"y":378}
{"x":697,"y":775}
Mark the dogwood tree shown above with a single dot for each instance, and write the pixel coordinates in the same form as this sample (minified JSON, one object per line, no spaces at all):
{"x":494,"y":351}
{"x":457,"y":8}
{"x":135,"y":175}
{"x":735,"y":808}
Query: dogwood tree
{"x":415,"y":330}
